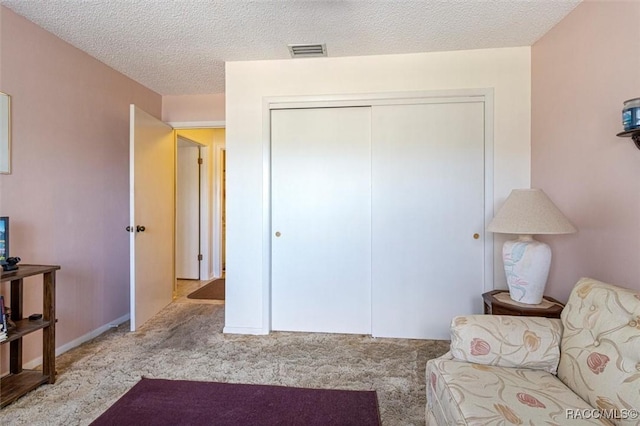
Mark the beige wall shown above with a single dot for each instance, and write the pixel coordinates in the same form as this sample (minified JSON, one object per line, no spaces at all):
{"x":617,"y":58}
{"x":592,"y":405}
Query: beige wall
{"x":507,"y":71}
{"x":68,"y":195}
{"x":582,"y":71}
{"x":190,"y":108}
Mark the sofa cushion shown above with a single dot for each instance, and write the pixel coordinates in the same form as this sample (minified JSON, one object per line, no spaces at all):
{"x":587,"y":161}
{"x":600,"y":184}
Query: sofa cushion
{"x":600,"y":357}
{"x":461,"y":393}
{"x":507,"y":341}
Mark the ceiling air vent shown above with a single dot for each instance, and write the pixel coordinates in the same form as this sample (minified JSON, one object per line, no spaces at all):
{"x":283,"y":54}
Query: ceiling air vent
{"x":307,"y":50}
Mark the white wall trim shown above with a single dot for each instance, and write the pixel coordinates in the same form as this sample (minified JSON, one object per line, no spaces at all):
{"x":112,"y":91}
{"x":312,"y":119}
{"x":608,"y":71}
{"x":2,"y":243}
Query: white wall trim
{"x":370,"y":99}
{"x":245,"y":330}
{"x":485,"y":95}
{"x":132,"y":216}
{"x":266,"y":211}
{"x":80,"y":340}
{"x":489,"y":243}
{"x":218,"y":148}
{"x":205,"y":215}
{"x":197,"y":124}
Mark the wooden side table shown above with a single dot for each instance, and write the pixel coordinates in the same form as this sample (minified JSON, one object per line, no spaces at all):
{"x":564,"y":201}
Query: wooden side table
{"x":498,"y":302}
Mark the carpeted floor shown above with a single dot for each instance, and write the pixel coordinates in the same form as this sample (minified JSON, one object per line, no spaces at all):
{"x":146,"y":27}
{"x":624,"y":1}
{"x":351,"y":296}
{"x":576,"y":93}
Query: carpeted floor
{"x":186,"y":342}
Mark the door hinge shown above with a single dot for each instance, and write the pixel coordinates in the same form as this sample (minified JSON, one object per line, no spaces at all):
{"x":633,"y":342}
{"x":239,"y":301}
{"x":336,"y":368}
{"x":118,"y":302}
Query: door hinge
{"x":199,"y":257}
{"x":200,"y":160}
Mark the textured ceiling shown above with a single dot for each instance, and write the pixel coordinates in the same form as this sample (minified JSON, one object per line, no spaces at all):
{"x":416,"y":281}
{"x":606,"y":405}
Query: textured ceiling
{"x":179,"y":47}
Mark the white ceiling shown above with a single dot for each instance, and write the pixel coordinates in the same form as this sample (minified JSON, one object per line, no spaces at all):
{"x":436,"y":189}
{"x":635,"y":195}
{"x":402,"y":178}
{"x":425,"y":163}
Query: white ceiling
{"x":179,"y":47}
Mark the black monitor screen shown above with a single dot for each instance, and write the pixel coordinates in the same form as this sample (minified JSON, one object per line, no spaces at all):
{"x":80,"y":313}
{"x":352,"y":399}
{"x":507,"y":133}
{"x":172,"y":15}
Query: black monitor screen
{"x":4,"y":239}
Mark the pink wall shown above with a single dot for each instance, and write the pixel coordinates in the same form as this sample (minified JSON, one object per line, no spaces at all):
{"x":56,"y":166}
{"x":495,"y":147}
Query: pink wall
{"x":193,"y":108}
{"x":68,"y":195}
{"x":582,"y":71}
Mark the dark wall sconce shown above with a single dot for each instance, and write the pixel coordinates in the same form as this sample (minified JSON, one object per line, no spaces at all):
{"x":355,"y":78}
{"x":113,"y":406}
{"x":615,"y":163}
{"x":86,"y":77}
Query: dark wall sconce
{"x":631,"y":121}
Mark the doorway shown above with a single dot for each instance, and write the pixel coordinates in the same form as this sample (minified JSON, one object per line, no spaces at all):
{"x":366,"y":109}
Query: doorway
{"x":211,"y":142}
{"x":154,"y":150}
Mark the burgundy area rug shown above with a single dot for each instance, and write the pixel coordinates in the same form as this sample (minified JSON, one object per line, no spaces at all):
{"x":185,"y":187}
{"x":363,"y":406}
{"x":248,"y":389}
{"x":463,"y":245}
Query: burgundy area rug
{"x":182,"y":402}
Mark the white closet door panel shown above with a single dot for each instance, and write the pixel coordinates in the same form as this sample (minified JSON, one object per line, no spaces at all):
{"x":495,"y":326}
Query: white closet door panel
{"x":321,"y":208}
{"x":427,"y":204}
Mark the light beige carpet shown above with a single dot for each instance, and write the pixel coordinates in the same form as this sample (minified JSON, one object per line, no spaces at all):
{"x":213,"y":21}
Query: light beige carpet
{"x":186,"y":342}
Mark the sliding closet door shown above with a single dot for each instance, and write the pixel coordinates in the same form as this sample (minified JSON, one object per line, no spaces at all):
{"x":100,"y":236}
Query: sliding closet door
{"x":321,"y":220}
{"x":427,"y":204}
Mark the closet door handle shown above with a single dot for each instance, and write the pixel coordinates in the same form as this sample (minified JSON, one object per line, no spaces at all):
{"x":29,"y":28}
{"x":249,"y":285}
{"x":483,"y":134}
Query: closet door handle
{"x":476,"y":236}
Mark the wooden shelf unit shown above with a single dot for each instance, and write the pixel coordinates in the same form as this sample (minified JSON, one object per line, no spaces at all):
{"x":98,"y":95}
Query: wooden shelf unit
{"x":20,"y":381}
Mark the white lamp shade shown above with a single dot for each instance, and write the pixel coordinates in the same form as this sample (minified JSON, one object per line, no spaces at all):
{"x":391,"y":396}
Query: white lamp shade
{"x":530,"y":212}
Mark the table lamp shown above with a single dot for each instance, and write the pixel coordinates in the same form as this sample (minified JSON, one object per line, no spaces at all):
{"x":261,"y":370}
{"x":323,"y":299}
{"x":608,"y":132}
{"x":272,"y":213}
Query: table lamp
{"x":526,"y":261}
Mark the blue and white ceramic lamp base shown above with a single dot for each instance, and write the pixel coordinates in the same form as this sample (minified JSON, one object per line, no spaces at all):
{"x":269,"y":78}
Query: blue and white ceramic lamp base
{"x":526,"y":265}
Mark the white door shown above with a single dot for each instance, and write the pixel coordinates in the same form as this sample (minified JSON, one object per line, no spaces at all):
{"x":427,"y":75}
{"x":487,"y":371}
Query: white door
{"x":428,"y":202}
{"x":188,"y":211}
{"x":321,"y":220}
{"x":152,"y":203}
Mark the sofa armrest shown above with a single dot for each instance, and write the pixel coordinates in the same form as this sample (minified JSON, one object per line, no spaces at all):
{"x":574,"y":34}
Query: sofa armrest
{"x":507,"y":341}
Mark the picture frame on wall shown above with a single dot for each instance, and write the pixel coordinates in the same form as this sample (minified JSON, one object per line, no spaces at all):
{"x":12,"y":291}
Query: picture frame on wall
{"x":5,"y":133}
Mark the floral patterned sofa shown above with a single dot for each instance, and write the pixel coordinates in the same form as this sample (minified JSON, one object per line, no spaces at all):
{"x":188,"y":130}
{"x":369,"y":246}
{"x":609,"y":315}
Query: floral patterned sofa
{"x":582,"y":369}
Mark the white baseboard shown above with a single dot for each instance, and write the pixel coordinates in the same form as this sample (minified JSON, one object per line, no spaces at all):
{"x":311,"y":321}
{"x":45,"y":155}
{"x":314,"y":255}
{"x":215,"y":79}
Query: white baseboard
{"x":77,"y":342}
{"x":245,"y":330}
{"x":197,"y":124}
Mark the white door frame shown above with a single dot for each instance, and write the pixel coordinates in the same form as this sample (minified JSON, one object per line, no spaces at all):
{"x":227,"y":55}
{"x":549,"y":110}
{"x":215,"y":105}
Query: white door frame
{"x":392,"y":98}
{"x":210,"y":250}
{"x":205,"y":215}
{"x":218,"y":149}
